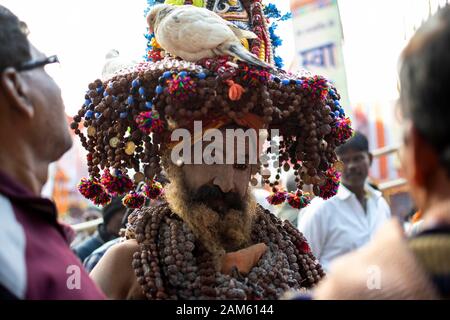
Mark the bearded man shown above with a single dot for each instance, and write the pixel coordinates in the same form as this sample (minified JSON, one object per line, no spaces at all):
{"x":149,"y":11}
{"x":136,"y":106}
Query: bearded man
{"x":208,"y":239}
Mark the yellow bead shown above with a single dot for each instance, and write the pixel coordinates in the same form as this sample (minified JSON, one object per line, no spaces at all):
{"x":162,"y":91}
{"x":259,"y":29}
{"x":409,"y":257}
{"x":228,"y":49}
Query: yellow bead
{"x":130,"y":147}
{"x":262,"y":52}
{"x":113,"y":142}
{"x":91,"y":131}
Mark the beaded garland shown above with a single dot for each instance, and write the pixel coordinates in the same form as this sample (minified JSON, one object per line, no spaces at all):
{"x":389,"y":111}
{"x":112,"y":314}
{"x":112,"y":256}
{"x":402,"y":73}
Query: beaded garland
{"x":136,"y":107}
{"x":171,"y":264}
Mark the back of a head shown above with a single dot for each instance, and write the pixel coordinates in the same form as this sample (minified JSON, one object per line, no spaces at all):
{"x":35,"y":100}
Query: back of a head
{"x":112,"y":208}
{"x":14,"y":48}
{"x":424,"y":80}
{"x":358,"y":142}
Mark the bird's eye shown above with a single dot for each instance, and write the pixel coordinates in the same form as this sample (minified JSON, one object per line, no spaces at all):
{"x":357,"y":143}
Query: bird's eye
{"x":223,"y":8}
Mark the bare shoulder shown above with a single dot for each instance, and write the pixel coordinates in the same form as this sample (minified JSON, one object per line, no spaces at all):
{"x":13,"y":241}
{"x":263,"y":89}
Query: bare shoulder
{"x":114,"y":273}
{"x":384,"y":269}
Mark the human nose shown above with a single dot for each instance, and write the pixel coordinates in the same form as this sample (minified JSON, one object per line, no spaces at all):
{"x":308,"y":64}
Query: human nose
{"x":224,"y":180}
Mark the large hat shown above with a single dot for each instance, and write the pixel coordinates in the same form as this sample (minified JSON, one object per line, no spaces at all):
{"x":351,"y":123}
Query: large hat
{"x":126,"y":121}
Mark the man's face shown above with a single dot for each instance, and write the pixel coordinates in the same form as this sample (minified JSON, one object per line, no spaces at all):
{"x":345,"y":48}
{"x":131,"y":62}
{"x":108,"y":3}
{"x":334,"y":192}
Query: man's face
{"x":220,"y":186}
{"x":356,"y":167}
{"x":50,"y":127}
{"x":115,"y":223}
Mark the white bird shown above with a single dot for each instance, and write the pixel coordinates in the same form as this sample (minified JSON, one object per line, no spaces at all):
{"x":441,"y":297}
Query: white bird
{"x":194,"y":33}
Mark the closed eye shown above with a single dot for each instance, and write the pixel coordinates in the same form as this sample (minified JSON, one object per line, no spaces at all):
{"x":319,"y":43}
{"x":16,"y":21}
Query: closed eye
{"x":240,"y":167}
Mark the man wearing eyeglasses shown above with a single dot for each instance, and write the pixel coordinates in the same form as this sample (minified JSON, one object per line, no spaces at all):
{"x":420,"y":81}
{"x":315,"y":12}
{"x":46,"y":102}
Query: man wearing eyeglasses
{"x":35,"y":259}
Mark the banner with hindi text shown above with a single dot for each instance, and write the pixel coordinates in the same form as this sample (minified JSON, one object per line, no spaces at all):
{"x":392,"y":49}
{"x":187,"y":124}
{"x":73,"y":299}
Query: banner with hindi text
{"x":318,"y":40}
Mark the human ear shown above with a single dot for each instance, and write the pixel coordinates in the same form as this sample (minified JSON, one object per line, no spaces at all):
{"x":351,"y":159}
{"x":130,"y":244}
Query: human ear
{"x":17,"y":91}
{"x":424,"y":157}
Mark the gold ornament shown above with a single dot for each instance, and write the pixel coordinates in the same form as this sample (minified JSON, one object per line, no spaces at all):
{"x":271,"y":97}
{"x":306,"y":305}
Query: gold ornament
{"x":130,"y":147}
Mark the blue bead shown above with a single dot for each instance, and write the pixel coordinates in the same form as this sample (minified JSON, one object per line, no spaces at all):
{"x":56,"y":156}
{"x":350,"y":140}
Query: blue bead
{"x":182,"y":74}
{"x":167,"y":74}
{"x":98,"y":115}
{"x":130,"y":100}
{"x":285,"y":82}
{"x":135,"y":83}
{"x":201,"y":75}
{"x":149,"y":105}
{"x":89,"y":114}
{"x":105,"y":94}
{"x":342,"y":112}
{"x":99,"y":89}
{"x":110,"y":85}
{"x":123,"y":115}
{"x":87,"y":102}
{"x":114,"y":98}
{"x":141,"y":90}
{"x":298,"y":82}
{"x":337,"y":114}
{"x":336,"y":103}
{"x":159,"y":90}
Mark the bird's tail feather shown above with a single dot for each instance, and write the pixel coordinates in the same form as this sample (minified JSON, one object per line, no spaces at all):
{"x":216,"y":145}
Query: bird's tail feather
{"x":242,"y":54}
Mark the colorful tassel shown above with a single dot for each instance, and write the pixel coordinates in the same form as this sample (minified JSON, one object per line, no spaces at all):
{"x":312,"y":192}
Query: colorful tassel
{"x":277,"y":198}
{"x":118,"y":184}
{"x":342,"y":129}
{"x":298,"y":200}
{"x":330,"y":188}
{"x":149,"y":122}
{"x":134,"y":200}
{"x":102,"y":199}
{"x":93,"y":191}
{"x":90,"y":188}
{"x":181,"y":86}
{"x":304,"y":247}
{"x":153,"y":190}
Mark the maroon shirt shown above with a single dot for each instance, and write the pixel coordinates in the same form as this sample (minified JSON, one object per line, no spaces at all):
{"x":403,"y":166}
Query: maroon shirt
{"x":35,"y":258}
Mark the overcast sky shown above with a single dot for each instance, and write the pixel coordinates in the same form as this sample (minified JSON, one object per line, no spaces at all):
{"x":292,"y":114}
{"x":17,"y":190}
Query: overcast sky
{"x":81,"y":32}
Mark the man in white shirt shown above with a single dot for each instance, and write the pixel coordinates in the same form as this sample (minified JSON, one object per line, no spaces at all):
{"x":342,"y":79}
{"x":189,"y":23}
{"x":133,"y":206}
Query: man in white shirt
{"x":350,"y":219}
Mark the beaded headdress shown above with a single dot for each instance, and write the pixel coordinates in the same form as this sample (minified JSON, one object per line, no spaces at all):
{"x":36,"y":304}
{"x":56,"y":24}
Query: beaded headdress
{"x":126,"y":120}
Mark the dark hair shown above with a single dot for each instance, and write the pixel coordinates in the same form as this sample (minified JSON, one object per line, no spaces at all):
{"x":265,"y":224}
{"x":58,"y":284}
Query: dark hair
{"x":358,"y":142}
{"x":14,"y":48}
{"x":424,"y":81}
{"x":112,"y":208}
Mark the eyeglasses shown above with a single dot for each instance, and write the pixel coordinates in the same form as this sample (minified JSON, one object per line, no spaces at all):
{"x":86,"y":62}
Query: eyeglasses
{"x":33,"y":64}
